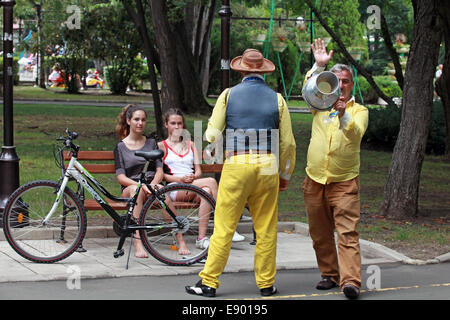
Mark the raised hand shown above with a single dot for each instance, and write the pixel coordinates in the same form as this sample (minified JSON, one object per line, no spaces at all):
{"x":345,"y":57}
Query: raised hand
{"x":320,"y":52}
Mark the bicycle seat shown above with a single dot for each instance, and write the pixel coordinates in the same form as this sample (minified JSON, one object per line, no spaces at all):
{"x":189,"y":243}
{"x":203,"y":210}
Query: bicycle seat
{"x":150,"y":155}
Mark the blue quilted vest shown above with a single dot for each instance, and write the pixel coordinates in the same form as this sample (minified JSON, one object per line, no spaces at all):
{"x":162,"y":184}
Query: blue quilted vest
{"x":252,"y":112}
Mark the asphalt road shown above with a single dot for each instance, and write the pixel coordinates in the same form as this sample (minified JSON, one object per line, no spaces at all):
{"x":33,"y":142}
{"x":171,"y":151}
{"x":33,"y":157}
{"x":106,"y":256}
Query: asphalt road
{"x":384,"y":282}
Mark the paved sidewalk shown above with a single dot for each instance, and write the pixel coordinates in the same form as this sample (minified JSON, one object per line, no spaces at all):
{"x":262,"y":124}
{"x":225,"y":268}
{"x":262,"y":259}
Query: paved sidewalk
{"x":294,"y":252}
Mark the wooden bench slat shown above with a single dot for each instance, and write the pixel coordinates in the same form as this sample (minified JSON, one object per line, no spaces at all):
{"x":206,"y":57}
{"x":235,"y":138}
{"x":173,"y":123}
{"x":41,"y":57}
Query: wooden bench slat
{"x":91,"y":155}
{"x":211,"y":168}
{"x":100,"y":167}
{"x":91,"y":204}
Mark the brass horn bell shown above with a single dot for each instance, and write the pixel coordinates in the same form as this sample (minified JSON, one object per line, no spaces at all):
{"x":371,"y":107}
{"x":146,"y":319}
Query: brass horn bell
{"x":322,"y":91}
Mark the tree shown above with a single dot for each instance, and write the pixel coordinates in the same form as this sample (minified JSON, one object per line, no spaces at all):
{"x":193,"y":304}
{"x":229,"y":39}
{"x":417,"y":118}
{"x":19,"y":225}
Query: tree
{"x":113,"y":39}
{"x":394,"y":18}
{"x":180,"y":82}
{"x":53,"y":27}
{"x":443,"y":83}
{"x":137,"y":13}
{"x":401,"y":192}
{"x":180,"y":86}
{"x":198,"y":20}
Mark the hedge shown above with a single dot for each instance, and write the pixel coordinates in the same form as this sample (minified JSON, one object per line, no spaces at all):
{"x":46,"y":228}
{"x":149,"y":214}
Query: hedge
{"x":384,"y":124}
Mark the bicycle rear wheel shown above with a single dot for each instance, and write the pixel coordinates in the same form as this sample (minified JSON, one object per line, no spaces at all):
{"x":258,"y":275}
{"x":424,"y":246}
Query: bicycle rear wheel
{"x":165,"y":239}
{"x":42,"y":242}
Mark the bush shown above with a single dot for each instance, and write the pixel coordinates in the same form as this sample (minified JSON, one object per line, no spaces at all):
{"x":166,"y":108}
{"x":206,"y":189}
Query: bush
{"x":118,"y":75}
{"x":368,"y":93}
{"x":140,"y":75}
{"x":436,"y":136}
{"x":117,"y":79}
{"x":388,"y":85}
{"x":384,"y":124}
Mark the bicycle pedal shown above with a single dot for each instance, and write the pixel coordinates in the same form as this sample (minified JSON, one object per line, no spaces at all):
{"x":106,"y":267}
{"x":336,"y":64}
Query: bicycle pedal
{"x":118,"y":253}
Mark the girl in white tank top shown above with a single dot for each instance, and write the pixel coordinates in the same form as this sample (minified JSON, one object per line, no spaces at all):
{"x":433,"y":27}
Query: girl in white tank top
{"x":179,"y":165}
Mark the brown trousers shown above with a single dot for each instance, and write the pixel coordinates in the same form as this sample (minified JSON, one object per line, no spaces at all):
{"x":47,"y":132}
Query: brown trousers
{"x":335,"y":206}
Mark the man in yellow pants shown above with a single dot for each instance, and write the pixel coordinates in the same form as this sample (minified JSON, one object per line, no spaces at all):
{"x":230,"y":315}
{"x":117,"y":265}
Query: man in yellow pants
{"x":260,"y":150}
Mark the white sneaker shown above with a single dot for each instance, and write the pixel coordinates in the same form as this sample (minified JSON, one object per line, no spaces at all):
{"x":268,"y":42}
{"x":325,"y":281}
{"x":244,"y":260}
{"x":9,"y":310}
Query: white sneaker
{"x":202,"y":243}
{"x":237,"y":237}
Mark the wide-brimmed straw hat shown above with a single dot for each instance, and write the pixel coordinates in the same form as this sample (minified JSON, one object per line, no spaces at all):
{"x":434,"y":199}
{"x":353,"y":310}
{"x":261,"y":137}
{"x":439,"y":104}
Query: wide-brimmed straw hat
{"x":252,"y":61}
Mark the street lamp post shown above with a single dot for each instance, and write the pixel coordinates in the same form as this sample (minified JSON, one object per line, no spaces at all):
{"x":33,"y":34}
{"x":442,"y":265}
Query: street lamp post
{"x":225,"y":17}
{"x":9,"y":161}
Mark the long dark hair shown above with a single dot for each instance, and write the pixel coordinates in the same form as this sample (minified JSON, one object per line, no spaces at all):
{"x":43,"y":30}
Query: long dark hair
{"x":122,"y":127}
{"x":176,"y":112}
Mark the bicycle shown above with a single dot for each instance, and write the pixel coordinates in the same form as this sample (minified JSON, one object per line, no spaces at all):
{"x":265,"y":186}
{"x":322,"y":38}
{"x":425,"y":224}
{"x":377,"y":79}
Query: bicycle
{"x":44,"y":221}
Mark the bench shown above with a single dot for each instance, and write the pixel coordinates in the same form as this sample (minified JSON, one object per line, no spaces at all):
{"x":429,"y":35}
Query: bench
{"x":107,"y":167}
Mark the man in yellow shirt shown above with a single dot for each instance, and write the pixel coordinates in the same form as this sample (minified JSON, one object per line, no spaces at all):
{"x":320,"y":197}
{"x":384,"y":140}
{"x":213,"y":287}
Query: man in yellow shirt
{"x":260,"y":150}
{"x":331,"y":187}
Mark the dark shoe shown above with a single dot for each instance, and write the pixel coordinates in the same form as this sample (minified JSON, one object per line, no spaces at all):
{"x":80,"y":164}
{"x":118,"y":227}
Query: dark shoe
{"x":351,"y":291}
{"x":265,"y":292}
{"x":326,"y":284}
{"x":201,"y":290}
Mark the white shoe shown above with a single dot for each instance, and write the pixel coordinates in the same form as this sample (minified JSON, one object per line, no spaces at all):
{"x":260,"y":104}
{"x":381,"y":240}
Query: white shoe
{"x":202,"y":243}
{"x":237,"y":237}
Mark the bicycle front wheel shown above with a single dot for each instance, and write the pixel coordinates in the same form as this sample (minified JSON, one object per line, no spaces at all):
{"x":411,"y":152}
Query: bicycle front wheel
{"x":186,"y":240}
{"x":34,"y":239}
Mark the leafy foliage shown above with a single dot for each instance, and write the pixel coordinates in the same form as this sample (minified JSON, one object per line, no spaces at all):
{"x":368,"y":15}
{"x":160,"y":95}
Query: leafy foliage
{"x":384,"y":126}
{"x":113,"y":39}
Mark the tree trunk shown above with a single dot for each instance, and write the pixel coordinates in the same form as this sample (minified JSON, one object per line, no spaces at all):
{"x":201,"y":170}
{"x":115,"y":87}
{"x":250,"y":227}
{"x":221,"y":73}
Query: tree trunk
{"x":205,"y":51}
{"x":171,"y":88}
{"x":138,"y":18}
{"x":198,"y":30}
{"x":443,"y":83}
{"x":180,"y":81}
{"x":401,"y":193}
{"x":194,"y":99}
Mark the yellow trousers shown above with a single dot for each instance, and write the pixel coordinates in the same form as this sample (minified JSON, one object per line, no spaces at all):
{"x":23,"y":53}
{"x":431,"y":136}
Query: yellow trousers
{"x":251,"y":178}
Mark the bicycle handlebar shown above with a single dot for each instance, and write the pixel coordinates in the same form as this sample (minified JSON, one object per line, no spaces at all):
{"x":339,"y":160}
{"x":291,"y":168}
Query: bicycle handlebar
{"x":68,"y":140}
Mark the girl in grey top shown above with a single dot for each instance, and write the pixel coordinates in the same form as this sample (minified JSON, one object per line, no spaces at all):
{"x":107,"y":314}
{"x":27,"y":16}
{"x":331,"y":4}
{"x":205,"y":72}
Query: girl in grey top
{"x":130,"y":165}
{"x":130,"y":131}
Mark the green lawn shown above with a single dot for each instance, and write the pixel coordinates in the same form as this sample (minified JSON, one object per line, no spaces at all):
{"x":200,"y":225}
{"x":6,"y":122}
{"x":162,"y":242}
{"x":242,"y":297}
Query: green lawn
{"x":31,"y":92}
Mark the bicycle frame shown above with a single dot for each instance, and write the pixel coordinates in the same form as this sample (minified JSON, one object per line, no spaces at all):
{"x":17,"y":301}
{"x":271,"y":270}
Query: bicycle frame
{"x":76,"y":170}
{"x":79,"y":173}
